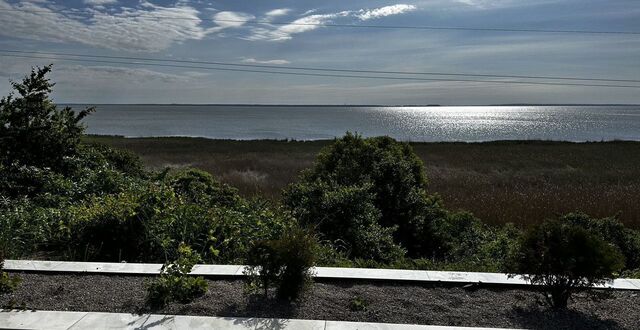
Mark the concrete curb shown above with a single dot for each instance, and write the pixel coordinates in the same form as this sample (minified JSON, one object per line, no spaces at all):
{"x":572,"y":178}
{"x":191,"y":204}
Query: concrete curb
{"x":319,"y":272}
{"x":55,"y":320}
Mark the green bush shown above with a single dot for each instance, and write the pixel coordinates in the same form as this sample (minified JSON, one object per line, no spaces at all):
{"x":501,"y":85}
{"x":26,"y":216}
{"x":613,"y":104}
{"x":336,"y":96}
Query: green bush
{"x":284,"y":263}
{"x":345,"y":217}
{"x":174,"y":283}
{"x":116,"y":227}
{"x":463,"y":239}
{"x":613,"y":231}
{"x":199,"y":187}
{"x":562,"y":258}
{"x":392,"y":174}
{"x":33,"y":132}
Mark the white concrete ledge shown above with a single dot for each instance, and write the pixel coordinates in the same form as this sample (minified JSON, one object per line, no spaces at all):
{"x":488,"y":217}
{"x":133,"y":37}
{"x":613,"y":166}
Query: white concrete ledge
{"x":319,"y":272}
{"x":54,"y":320}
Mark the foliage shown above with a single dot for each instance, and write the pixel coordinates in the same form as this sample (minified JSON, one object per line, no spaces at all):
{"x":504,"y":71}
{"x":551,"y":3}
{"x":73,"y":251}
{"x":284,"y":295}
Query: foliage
{"x":284,"y":263}
{"x":199,"y":187}
{"x":33,"y":132}
{"x":388,"y":170}
{"x":174,"y":283}
{"x":460,"y":238}
{"x":613,"y":231}
{"x":564,"y":257}
{"x":345,"y":217}
{"x":7,"y":283}
{"x":358,"y":304}
{"x":115,"y":227}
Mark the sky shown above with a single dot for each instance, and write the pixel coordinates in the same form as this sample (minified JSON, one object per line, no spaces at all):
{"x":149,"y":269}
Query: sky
{"x":256,"y":32}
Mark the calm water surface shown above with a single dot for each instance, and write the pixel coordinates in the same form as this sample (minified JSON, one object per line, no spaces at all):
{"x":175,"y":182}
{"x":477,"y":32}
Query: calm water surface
{"x":477,"y":123}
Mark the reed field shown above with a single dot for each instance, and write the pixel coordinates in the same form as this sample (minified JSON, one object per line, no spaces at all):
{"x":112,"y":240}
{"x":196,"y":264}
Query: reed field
{"x":522,"y":182}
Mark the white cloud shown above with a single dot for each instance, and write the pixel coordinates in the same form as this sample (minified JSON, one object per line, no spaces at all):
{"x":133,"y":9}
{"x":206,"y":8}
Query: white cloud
{"x":99,"y":2}
{"x":300,"y":25}
{"x":275,"y":62}
{"x":130,"y":29}
{"x":231,"y":19}
{"x":312,"y":22}
{"x":277,"y":12}
{"x":365,"y":14}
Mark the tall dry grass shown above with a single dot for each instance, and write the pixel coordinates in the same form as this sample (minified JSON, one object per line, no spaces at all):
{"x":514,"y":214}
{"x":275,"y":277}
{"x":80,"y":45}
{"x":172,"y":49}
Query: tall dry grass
{"x":523,"y":182}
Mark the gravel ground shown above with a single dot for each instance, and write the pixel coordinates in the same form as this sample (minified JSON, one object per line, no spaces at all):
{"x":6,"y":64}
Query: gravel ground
{"x":386,"y":302}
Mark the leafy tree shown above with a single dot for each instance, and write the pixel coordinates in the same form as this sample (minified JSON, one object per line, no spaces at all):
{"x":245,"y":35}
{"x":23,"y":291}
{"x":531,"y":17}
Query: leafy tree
{"x":33,"y":131}
{"x":389,"y":170}
{"x":564,"y":257}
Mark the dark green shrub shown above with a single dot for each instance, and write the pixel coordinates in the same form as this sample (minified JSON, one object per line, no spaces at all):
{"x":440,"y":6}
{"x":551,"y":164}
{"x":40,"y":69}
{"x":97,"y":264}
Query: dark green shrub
{"x":562,"y":257}
{"x":33,"y":132}
{"x":391,"y":172}
{"x":460,"y":238}
{"x":222,"y":234}
{"x":613,"y":231}
{"x":120,"y":160}
{"x":284,"y":263}
{"x":174,"y":283}
{"x":117,"y":227}
{"x":198,"y":186}
{"x":346,"y":217}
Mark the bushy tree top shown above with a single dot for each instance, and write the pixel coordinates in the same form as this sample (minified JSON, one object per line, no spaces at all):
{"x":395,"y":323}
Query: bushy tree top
{"x":33,"y":131}
{"x":564,"y":254}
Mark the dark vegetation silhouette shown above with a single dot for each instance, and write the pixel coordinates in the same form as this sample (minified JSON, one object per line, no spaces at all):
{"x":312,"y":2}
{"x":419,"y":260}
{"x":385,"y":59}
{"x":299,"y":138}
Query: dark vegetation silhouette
{"x":563,"y":257}
{"x":363,"y":203}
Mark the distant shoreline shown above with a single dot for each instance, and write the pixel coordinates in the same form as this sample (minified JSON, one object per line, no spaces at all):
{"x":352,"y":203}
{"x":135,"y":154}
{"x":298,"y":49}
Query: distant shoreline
{"x":359,"y":105}
{"x":518,"y":141}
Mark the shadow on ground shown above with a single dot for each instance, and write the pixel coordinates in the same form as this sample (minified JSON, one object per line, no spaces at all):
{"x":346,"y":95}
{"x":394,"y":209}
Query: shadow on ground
{"x":538,"y":317}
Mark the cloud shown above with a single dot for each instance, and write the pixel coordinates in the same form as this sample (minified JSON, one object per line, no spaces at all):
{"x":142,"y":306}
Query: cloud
{"x":312,"y":22}
{"x":99,"y":2}
{"x":128,"y":29}
{"x":91,"y":74}
{"x":231,"y":19}
{"x":384,"y":11}
{"x":276,"y":62}
{"x":277,"y":12}
{"x":300,"y":25}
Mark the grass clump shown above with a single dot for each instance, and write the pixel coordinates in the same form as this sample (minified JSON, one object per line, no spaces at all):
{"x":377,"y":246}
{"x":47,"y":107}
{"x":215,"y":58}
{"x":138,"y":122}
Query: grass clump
{"x":7,"y":283}
{"x":358,"y":304}
{"x":284,"y":263}
{"x":174,"y":283}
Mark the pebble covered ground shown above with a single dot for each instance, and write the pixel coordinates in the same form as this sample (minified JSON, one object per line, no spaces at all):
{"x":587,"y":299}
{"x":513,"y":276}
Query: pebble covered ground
{"x":379,"y":302}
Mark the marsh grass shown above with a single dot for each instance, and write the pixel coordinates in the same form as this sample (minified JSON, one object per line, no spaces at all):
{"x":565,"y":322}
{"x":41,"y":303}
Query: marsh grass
{"x":523,"y":182}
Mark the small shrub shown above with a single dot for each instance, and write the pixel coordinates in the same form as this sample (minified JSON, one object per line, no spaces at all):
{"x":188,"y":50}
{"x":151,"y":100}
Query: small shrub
{"x":7,"y":283}
{"x":174,"y":283}
{"x":564,"y":258}
{"x":284,"y":263}
{"x":358,"y":304}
